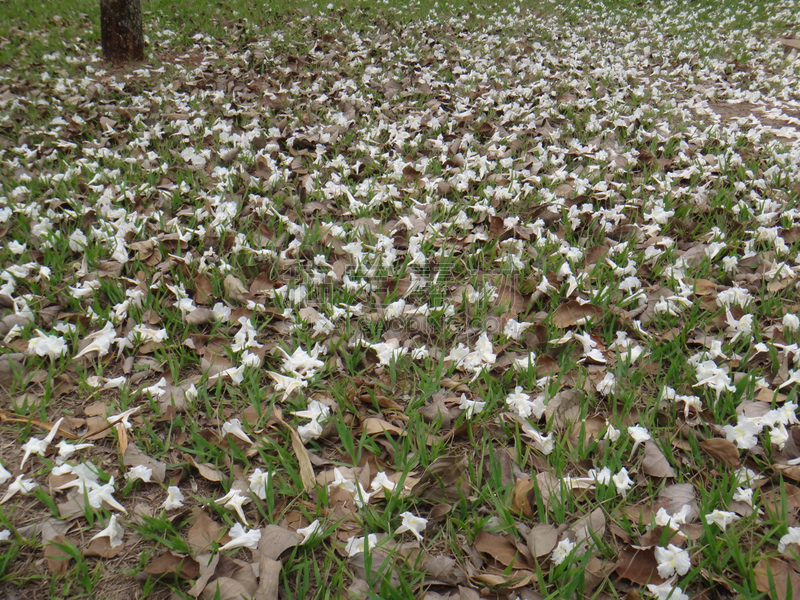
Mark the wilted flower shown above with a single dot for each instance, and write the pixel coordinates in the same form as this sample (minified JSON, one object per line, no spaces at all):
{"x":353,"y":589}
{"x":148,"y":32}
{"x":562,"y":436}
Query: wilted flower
{"x":114,"y":532}
{"x":671,"y":560}
{"x":174,"y":498}
{"x":412,"y":523}
{"x":472,"y":407}
{"x":358,"y":545}
{"x":721,"y":518}
{"x":562,"y":551}
{"x":310,"y":532}
{"x":242,"y":538}
{"x":140,"y":472}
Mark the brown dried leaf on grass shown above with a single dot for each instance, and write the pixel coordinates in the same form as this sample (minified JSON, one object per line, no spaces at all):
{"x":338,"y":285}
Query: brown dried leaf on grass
{"x":574,"y":313}
{"x":638,"y":565}
{"x":542,"y":539}
{"x":203,"y":532}
{"x":655,"y":463}
{"x":57,"y":559}
{"x":501,"y":549}
{"x":102,"y":547}
{"x":275,"y":539}
{"x":722,"y":450}
{"x":776,"y":578}
{"x":590,"y":526}
{"x":207,"y":470}
{"x":172,"y":564}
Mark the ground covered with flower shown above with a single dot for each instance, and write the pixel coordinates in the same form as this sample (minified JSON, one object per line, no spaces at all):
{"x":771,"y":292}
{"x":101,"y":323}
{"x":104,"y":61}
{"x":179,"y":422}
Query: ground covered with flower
{"x":370,"y":300}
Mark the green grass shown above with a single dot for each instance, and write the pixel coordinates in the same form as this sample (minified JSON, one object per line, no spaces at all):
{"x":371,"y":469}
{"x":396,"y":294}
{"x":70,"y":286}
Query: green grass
{"x":308,"y":118}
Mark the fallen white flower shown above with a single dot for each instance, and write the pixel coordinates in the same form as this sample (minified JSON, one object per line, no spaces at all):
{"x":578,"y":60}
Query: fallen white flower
{"x":311,"y":531}
{"x":234,"y":428}
{"x":242,"y":538}
{"x":413,"y":524}
{"x":234,"y":500}
{"x":114,"y":532}
{"x":358,"y":545}
{"x":174,"y":498}
{"x":36,"y":446}
{"x":142,"y":472}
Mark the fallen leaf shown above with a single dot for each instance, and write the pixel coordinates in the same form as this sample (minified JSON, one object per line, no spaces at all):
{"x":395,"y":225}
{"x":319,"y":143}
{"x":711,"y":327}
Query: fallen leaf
{"x":208,"y":471}
{"x":501,"y":549}
{"x":275,"y":539}
{"x":519,"y":502}
{"x":638,"y":565}
{"x":590,"y":526}
{"x":575,"y":313}
{"x":655,"y":463}
{"x":268,"y":577}
{"x":776,"y":578}
{"x":169,"y":563}
{"x":722,"y":450}
{"x":57,"y":558}
{"x":542,"y":539}
{"x":204,"y":532}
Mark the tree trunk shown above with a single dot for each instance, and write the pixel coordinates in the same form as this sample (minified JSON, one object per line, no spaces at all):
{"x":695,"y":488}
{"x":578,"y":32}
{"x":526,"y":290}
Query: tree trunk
{"x":121,"y":30}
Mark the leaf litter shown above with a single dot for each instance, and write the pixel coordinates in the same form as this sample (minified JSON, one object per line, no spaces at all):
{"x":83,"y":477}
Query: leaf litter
{"x":524,"y":280}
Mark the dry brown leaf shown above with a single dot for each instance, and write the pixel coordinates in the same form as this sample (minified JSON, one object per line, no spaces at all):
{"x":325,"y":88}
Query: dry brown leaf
{"x":208,"y":471}
{"x":575,"y":313}
{"x":542,"y":539}
{"x":590,"y":526}
{"x":268,"y":577}
{"x":444,"y":569}
{"x":169,"y":563}
{"x":776,"y":578}
{"x":520,"y":503}
{"x":722,"y":450}
{"x":790,"y":43}
{"x":275,"y":539}
{"x":501,"y":549}
{"x":235,"y":289}
{"x":57,"y":559}
{"x":204,"y":532}
{"x":655,"y":463}
{"x":638,"y":565}
{"x":203,"y":289}
{"x":377,"y":426}
{"x":199,"y":316}
{"x":102,"y":547}
{"x":226,"y":588}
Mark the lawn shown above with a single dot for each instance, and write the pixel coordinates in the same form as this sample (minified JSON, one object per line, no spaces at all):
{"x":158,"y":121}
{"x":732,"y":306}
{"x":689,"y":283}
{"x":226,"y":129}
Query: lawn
{"x":373,"y":300}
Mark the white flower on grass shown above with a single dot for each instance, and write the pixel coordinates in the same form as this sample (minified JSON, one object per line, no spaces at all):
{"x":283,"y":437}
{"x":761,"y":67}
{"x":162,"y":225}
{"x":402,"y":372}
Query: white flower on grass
{"x":4,"y":475}
{"x":612,"y":433}
{"x":622,"y":481}
{"x":242,"y":538}
{"x":607,"y":384}
{"x":664,"y":519}
{"x":562,"y":551}
{"x":360,"y":494}
{"x":666,"y":591}
{"x":140,"y":472}
{"x":744,"y":495}
{"x":15,"y":247}
{"x":301,"y":363}
{"x":20,"y":484}
{"x":318,"y":413}
{"x":603,"y":476}
{"x":234,"y":428}
{"x":174,"y":498}
{"x":791,"y":323}
{"x":671,"y":560}
{"x":514,"y":329}
{"x":287,"y":384}
{"x":413,"y":524}
{"x":5,"y":535}
{"x":381,"y":481}
{"x":36,"y":446}
{"x":234,"y":500}
{"x":114,"y":532}
{"x":221,"y":312}
{"x":158,"y":389}
{"x":123,"y":418}
{"x":791,"y":537}
{"x":721,"y":518}
{"x":744,"y":433}
{"x":358,"y":545}
{"x":639,"y":435}
{"x":259,"y":480}
{"x":251,"y":360}
{"x":51,"y":346}
{"x":524,"y":363}
{"x":99,"y":494}
{"x":521,"y":403}
{"x":472,"y":407}
{"x":310,"y":532}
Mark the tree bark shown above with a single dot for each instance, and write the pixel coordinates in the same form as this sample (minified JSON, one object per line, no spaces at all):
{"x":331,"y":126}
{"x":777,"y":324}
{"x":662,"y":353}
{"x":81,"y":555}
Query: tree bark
{"x":121,"y":30}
